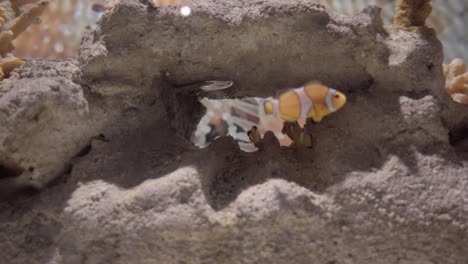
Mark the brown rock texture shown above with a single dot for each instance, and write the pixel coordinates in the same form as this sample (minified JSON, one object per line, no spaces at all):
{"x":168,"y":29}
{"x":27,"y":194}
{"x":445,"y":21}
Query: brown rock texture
{"x":107,"y":140}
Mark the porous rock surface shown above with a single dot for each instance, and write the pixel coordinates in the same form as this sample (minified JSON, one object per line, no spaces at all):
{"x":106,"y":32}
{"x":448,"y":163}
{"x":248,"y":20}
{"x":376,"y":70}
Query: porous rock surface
{"x":381,"y":185}
{"x":41,"y":115}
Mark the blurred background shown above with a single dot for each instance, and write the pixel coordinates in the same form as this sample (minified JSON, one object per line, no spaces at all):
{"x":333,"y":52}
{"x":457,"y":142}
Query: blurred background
{"x":59,"y":34}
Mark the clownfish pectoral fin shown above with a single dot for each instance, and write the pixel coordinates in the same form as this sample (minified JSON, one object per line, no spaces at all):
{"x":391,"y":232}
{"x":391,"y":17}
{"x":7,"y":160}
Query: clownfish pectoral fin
{"x":314,"y":115}
{"x":319,"y":112}
{"x":310,"y":121}
{"x":317,"y":118}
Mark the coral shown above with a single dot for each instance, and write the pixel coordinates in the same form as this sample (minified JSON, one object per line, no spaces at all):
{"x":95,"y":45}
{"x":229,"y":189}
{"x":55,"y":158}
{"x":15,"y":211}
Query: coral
{"x":60,"y":31}
{"x":411,"y":15}
{"x":456,"y":82}
{"x":15,"y":17}
{"x":167,"y":2}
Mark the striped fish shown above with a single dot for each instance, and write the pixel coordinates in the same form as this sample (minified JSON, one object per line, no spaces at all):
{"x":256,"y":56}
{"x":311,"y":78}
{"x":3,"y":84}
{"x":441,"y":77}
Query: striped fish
{"x":314,"y":100}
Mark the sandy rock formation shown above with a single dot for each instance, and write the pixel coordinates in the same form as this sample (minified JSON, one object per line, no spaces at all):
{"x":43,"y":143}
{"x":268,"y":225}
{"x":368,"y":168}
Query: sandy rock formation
{"x":39,"y":105}
{"x":381,"y":185}
{"x":233,"y":46}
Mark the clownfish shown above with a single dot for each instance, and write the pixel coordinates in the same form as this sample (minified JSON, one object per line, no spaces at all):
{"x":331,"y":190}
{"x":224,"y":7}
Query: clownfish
{"x":314,"y":100}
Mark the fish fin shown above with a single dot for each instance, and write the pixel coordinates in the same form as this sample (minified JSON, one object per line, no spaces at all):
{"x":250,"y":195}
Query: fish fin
{"x":312,"y":83}
{"x":319,"y":112}
{"x":216,"y":85}
{"x":306,"y":139}
{"x":309,"y":121}
{"x":282,"y":91}
{"x":250,"y":135}
{"x":284,"y":130}
{"x":313,"y":115}
{"x":292,"y":130}
{"x":254,"y":135}
{"x":317,"y":119}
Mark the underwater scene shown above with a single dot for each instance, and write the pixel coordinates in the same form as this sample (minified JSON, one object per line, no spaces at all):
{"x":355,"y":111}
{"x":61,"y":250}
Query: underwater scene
{"x":233,"y":131}
{"x":59,"y":36}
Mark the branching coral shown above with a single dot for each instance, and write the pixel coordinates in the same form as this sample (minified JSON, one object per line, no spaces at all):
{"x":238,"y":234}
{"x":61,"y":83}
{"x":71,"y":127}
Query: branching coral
{"x":411,"y":15}
{"x":167,"y":2}
{"x":15,"y":17}
{"x":61,"y":29}
{"x":456,"y":82}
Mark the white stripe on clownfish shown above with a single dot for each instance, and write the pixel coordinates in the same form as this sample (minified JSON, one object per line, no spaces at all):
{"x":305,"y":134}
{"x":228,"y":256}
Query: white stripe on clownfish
{"x":328,"y":100}
{"x":275,"y":105}
{"x":305,"y":101}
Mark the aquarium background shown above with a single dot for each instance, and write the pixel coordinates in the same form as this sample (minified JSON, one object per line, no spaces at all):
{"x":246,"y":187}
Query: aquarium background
{"x":59,"y":35}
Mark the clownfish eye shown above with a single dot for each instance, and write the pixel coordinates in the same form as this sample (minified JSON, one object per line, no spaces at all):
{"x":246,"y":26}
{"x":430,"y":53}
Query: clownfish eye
{"x":337,"y":96}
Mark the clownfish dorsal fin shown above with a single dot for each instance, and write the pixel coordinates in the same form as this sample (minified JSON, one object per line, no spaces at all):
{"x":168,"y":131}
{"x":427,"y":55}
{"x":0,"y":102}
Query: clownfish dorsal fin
{"x":281,"y":91}
{"x":284,"y":90}
{"x":309,"y":83}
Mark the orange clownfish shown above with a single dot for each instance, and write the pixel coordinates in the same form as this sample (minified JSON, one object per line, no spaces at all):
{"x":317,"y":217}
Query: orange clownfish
{"x":314,"y":100}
